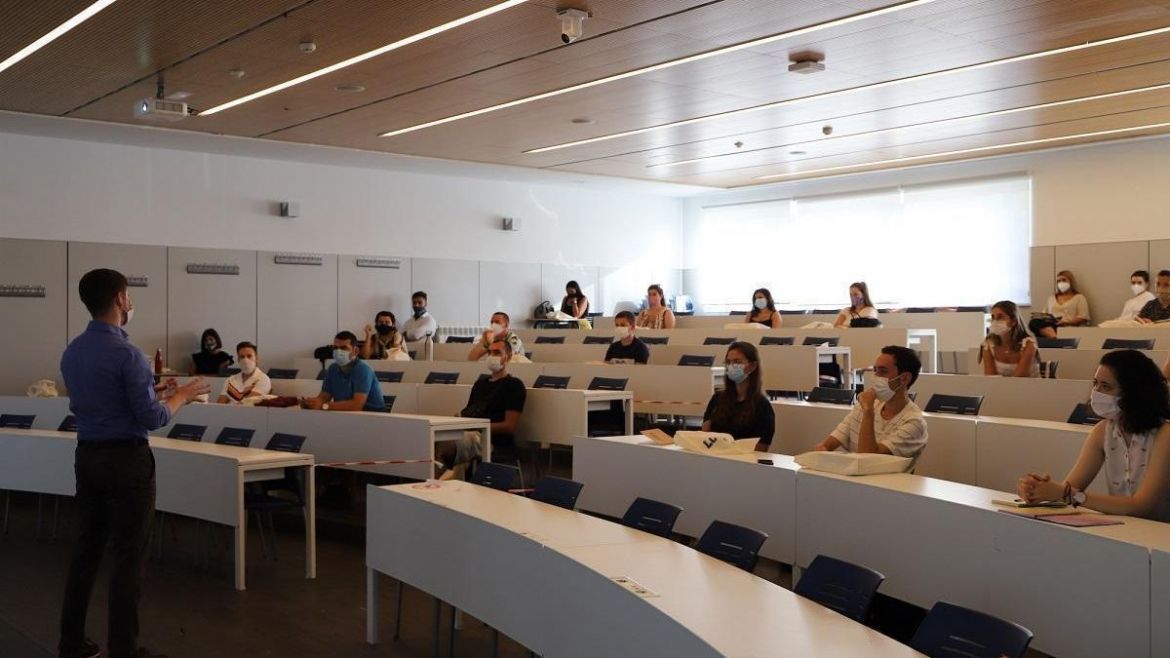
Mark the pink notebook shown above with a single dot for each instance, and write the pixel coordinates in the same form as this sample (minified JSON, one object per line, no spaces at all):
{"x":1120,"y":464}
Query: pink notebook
{"x":1082,"y":520}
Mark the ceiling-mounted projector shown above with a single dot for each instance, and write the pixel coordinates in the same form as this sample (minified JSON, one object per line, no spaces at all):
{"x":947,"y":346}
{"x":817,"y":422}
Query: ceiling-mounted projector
{"x":158,"y":109}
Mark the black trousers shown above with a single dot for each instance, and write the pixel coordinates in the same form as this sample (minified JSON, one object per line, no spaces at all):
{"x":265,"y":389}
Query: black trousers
{"x":115,"y":499}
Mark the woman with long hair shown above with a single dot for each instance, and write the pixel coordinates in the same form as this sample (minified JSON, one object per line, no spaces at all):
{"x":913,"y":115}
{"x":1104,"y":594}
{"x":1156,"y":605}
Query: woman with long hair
{"x":859,"y":306}
{"x":1009,"y":350}
{"x":656,"y":315}
{"x":741,"y":409}
{"x":763,"y":310}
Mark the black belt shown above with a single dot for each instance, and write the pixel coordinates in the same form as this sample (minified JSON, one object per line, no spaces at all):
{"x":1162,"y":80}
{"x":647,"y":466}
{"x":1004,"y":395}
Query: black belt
{"x":111,"y":443}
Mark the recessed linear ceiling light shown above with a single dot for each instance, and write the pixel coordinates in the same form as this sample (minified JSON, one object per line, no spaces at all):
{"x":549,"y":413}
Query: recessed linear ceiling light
{"x":55,"y":32}
{"x":357,"y":59}
{"x":851,"y":90}
{"x":969,"y":117}
{"x":980,"y":149}
{"x":755,"y":43}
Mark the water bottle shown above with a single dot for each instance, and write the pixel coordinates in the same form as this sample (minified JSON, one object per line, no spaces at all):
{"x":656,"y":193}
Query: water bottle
{"x":429,"y":348}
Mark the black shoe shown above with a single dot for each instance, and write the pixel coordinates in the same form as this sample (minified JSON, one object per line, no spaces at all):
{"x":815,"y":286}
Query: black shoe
{"x":88,"y":649}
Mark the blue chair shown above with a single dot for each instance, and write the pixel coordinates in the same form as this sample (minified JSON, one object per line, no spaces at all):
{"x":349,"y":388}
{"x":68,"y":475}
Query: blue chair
{"x":493,"y":475}
{"x":777,"y":340}
{"x":733,"y":544}
{"x":260,"y":499}
{"x":831,"y":395}
{"x":1044,"y":342}
{"x":460,"y":339}
{"x":655,"y":340}
{"x":597,"y":340}
{"x":442,"y":378}
{"x":831,"y":341}
{"x":17,"y":421}
{"x":549,"y":381}
{"x":69,"y":424}
{"x":608,"y":384}
{"x":696,"y":360}
{"x":239,"y":437}
{"x":737,"y":313}
{"x":1082,"y":414}
{"x":840,"y":586}
{"x":950,"y":630}
{"x":187,"y":432}
{"x":389,"y":376}
{"x":717,"y":340}
{"x":282,"y":373}
{"x":651,"y":516}
{"x":1128,"y":344}
{"x":388,"y":400}
{"x":964,"y":405}
{"x":550,"y":340}
{"x":557,"y":491}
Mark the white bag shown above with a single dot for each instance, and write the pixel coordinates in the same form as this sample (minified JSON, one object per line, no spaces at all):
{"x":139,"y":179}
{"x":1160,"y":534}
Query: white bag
{"x":714,"y":443}
{"x":42,"y":388}
{"x":853,"y":463}
{"x":818,"y":325}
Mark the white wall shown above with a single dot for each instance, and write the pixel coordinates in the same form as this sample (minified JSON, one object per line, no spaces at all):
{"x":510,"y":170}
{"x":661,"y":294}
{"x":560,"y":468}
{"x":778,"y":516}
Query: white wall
{"x":70,"y":189}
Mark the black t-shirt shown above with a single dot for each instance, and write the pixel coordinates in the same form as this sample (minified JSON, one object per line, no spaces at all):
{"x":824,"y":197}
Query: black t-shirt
{"x":492,"y":399}
{"x":761,"y":425}
{"x":210,"y":363}
{"x":637,"y":351}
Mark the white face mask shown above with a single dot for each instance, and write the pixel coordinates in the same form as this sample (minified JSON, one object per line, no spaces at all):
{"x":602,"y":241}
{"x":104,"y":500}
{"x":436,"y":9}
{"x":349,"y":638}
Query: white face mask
{"x":129,"y":316}
{"x":342,"y":357}
{"x":1063,"y":286}
{"x":736,"y":372}
{"x":1137,"y":289}
{"x":881,"y":386}
{"x":620,"y":333}
{"x":760,"y":303}
{"x":496,"y":328}
{"x":1104,"y":405}
{"x":495,"y":364}
{"x":247,"y":365}
{"x":1000,"y":328}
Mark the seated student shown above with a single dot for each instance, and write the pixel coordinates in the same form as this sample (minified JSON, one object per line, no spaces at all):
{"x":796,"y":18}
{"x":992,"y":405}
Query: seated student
{"x":741,"y":409}
{"x":859,"y":306}
{"x":1158,"y":309}
{"x":1132,"y":444}
{"x":1009,"y":350}
{"x":387,"y":343}
{"x":497,"y":331}
{"x":626,"y":346}
{"x":498,"y":397}
{"x":884,"y":420}
{"x":250,"y":382}
{"x":211,"y":359}
{"x":350,"y":384}
{"x":764,"y":310}
{"x":1065,"y":308}
{"x":656,"y":315}
{"x":421,"y":323}
{"x":1139,"y":283}
{"x":575,"y":303}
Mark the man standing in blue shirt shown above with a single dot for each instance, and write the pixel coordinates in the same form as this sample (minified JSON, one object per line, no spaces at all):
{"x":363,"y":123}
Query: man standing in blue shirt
{"x":113,"y":397}
{"x":350,"y":384}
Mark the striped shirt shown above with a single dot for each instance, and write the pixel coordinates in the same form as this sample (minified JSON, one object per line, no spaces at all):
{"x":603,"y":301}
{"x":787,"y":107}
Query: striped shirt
{"x":903,"y":435}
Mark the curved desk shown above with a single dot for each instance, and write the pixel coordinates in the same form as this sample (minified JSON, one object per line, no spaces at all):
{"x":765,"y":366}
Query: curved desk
{"x":546,"y":577}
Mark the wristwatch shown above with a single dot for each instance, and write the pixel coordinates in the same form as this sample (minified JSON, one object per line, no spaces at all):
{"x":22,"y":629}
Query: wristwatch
{"x":1078,"y":498}
{"x":325,"y":407}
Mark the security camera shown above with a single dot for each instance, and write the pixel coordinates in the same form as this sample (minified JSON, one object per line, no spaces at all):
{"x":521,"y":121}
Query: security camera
{"x":572,"y":24}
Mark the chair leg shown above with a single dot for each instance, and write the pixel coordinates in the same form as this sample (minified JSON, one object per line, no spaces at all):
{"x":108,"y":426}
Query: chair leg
{"x":495,"y":643}
{"x":398,"y":611}
{"x":438,"y":614}
{"x":40,"y":514}
{"x":7,"y":509}
{"x":56,"y":514}
{"x":451,"y":636}
{"x":272,"y":535}
{"x":260,"y":525}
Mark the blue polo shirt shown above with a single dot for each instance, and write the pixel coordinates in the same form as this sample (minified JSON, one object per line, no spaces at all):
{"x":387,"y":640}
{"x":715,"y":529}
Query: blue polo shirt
{"x":111,"y":387}
{"x":360,"y":379}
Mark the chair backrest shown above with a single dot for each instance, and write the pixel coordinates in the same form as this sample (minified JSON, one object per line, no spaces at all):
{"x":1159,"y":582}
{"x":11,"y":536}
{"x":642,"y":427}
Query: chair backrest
{"x":388,"y":400}
{"x":735,"y":545}
{"x":920,"y":309}
{"x":598,"y":340}
{"x":282,"y":373}
{"x":784,"y":311}
{"x":550,"y":340}
{"x":187,"y":432}
{"x":1082,"y":414}
{"x":442,"y":378}
{"x":550,"y":381}
{"x":738,"y":313}
{"x":831,"y":341}
{"x":950,"y":630}
{"x":557,"y":491}
{"x":1128,"y":344}
{"x":777,"y":340}
{"x":608,"y":384}
{"x":652,"y":516}
{"x":389,"y":376}
{"x":241,"y":437}
{"x":285,"y":442}
{"x":718,"y":340}
{"x":17,"y":421}
{"x":228,"y":372}
{"x":696,"y":360}
{"x":460,"y":339}
{"x":1057,"y":343}
{"x":841,"y":586}
{"x":69,"y":424}
{"x":1048,"y":369}
{"x":831,"y":395}
{"x":321,"y":374}
{"x":655,"y":340}
{"x":965,"y":405}
{"x":971,"y":309}
{"x":495,"y":476}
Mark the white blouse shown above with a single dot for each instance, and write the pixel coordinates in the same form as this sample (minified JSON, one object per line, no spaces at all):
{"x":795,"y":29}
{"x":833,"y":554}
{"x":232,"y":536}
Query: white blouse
{"x":1125,"y":464}
{"x":1005,"y":369}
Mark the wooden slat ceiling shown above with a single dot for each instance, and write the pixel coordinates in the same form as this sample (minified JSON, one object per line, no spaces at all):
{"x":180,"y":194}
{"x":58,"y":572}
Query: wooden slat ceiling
{"x":98,"y":70}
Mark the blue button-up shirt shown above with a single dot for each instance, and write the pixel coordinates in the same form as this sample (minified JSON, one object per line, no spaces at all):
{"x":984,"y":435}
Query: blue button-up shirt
{"x":111,"y":388}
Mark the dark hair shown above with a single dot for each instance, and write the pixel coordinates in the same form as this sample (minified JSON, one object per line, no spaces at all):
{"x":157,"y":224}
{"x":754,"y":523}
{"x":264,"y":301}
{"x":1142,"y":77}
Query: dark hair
{"x":905,"y":360}
{"x":393,"y":320}
{"x":347,"y":335}
{"x":657,"y":288}
{"x":1163,"y":273}
{"x":99,"y":288}
{"x":214,"y":334}
{"x":1018,"y":334}
{"x":1145,"y":399}
{"x":767,"y":296}
{"x":628,"y":316}
{"x":860,"y":285}
{"x":1072,"y":280}
{"x":727,"y":407}
{"x":419,"y":293}
{"x":241,"y":345}
{"x":1143,"y":274}
{"x":506,"y":318}
{"x":575,"y":286}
